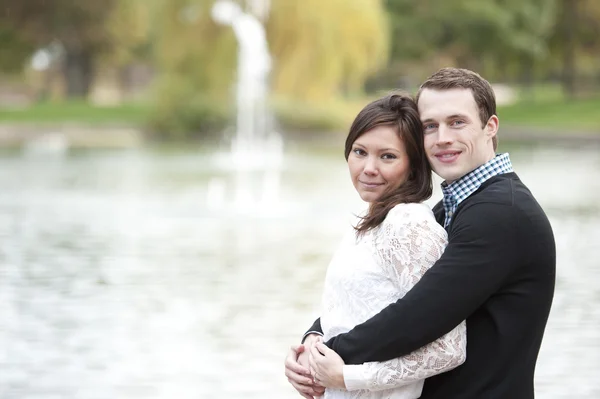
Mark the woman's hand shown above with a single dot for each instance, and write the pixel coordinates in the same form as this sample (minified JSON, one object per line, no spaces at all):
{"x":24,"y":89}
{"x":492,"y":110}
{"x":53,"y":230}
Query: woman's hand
{"x":297,"y":371}
{"x":326,"y":366}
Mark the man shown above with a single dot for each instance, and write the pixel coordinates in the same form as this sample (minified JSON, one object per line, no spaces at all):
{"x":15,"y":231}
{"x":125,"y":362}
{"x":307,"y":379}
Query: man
{"x":497,"y":272}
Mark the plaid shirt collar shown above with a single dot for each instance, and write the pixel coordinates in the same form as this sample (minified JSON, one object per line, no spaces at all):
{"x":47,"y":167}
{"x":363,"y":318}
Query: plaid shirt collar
{"x":457,"y":191}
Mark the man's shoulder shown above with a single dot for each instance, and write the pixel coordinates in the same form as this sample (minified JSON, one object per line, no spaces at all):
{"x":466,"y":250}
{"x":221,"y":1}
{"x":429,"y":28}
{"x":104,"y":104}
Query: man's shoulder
{"x":499,"y":197}
{"x":500,"y":189}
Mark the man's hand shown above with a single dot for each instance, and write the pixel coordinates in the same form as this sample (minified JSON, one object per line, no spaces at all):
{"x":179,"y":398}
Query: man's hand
{"x":297,"y":369}
{"x":327,"y":367}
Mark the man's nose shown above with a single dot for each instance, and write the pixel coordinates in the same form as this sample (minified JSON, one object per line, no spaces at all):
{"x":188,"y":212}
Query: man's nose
{"x":444,"y":135}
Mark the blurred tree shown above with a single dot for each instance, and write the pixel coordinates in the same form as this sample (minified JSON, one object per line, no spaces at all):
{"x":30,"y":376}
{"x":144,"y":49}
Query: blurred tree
{"x":487,"y":36}
{"x":192,"y":47}
{"x":521,"y":41}
{"x":14,"y":50}
{"x":196,"y":62}
{"x":589,"y":34}
{"x":87,"y":32}
{"x":130,"y":29}
{"x":567,"y":34}
{"x":320,"y":50}
{"x":326,"y":49}
{"x":576,"y":41}
{"x":79,"y":27}
{"x":417,"y":28}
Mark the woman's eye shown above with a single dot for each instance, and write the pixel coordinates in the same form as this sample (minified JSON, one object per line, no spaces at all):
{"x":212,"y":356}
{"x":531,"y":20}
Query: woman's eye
{"x":359,"y":151}
{"x":429,"y":126}
{"x":388,"y":156}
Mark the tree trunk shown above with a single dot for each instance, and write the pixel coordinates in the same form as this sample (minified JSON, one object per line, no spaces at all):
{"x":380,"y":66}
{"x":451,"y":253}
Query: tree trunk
{"x":78,"y":73}
{"x":569,"y":50}
{"x":502,"y":66}
{"x":528,"y":76}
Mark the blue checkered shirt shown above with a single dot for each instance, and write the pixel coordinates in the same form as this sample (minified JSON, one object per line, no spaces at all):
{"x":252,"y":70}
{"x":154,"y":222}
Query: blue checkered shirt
{"x":457,"y":191}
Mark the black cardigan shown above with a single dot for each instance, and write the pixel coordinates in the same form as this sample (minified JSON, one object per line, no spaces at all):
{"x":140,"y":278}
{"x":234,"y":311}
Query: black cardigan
{"x":498,"y":273}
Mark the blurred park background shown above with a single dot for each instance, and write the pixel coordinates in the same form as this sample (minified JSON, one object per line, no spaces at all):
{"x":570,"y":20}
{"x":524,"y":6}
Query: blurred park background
{"x":144,"y":255}
{"x":166,"y":68}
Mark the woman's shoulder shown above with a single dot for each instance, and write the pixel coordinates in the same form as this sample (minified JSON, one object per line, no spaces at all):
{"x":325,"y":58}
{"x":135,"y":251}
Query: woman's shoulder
{"x":412,"y":211}
{"x":405,"y":219}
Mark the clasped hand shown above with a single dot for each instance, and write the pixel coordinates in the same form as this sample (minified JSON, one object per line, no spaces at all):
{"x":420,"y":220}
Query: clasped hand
{"x":326,"y":366}
{"x":310,"y":373}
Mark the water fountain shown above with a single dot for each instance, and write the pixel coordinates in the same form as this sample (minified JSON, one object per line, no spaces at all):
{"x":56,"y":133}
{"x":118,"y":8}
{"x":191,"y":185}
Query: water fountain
{"x":256,"y":150}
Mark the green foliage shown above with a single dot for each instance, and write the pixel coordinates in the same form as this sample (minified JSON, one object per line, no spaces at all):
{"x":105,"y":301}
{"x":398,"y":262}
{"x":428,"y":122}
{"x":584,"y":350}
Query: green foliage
{"x":575,"y":39}
{"x":130,"y":29}
{"x":295,"y":115}
{"x":182,"y":112}
{"x":74,"y":24}
{"x":196,"y":61}
{"x":471,"y":33}
{"x":323,"y":51}
{"x":326,"y":49}
{"x":92,"y":34}
{"x":193,"y":47}
{"x":518,"y":41}
{"x":320,"y":50}
{"x":14,"y":50}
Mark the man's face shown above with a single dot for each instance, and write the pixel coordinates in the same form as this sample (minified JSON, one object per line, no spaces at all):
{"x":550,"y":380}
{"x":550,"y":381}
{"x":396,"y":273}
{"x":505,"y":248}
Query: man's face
{"x":455,"y":140}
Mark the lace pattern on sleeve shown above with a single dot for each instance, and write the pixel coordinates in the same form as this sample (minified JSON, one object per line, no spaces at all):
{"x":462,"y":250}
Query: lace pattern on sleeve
{"x":407,"y":244}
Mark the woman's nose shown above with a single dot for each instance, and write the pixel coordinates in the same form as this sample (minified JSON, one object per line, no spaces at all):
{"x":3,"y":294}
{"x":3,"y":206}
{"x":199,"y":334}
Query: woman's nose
{"x":371,"y":167}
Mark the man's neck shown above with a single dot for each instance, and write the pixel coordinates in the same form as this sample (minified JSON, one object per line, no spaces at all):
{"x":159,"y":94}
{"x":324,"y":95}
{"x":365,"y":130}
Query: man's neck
{"x":493,"y":155}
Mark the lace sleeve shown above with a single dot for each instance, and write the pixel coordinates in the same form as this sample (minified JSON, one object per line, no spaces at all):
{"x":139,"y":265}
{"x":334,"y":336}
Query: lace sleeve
{"x":407,"y":247}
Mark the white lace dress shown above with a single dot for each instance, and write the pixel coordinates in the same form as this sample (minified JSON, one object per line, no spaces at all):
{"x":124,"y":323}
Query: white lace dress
{"x":367,"y":274}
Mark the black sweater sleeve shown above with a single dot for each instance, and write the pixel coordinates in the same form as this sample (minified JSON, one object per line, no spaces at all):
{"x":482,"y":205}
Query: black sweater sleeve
{"x":315,"y":327}
{"x":482,"y":252}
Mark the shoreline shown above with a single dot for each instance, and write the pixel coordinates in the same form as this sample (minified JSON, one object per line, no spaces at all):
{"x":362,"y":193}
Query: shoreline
{"x":511,"y":134}
{"x":71,"y":135}
{"x":115,"y":136}
{"x":556,"y":136}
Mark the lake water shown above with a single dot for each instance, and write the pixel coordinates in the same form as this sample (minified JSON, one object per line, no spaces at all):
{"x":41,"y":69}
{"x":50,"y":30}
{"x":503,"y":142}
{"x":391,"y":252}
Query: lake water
{"x":163,"y":274}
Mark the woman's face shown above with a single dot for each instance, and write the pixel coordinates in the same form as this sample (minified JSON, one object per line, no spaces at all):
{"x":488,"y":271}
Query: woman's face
{"x":378,"y":162}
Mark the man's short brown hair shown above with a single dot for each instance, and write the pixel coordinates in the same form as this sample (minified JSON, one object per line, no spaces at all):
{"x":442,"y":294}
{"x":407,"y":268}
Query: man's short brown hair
{"x":457,"y":78}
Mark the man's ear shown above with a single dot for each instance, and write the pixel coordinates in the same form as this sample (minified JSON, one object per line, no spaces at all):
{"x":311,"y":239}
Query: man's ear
{"x":491,"y":127}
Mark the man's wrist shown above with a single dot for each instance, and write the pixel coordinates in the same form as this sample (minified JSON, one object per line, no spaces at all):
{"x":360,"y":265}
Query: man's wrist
{"x":310,"y":336}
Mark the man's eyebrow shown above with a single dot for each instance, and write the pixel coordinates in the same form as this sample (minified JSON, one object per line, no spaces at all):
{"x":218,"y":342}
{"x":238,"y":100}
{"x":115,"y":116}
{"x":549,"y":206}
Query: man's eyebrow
{"x":456,"y":116}
{"x":453,"y":116}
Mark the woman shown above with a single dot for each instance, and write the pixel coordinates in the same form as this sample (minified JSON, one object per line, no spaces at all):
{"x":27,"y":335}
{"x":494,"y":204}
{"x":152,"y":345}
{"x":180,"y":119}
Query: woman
{"x":384,"y":255}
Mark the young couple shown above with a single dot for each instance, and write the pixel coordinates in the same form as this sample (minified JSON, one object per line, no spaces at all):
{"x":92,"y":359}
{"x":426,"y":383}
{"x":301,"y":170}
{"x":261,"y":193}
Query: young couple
{"x":449,"y":304}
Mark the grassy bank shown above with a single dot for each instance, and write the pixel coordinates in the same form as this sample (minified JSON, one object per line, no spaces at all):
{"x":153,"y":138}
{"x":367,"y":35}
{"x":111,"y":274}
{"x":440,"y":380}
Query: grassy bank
{"x":549,"y":113}
{"x":556,"y":115}
{"x":76,"y":112}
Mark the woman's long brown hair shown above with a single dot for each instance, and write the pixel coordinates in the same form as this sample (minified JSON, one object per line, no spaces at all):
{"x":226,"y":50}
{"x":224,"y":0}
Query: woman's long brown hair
{"x":400,"y":111}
